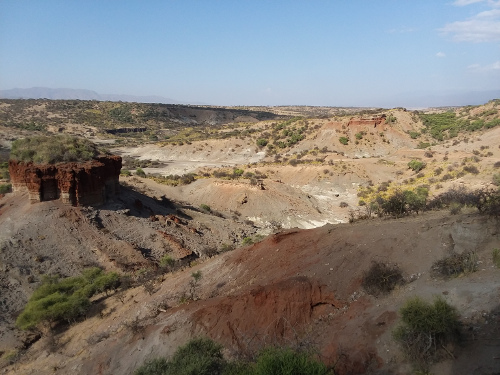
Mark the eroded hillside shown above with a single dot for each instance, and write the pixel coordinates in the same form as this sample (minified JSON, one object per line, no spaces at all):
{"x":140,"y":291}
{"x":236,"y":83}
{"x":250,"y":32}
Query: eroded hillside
{"x":195,"y":192}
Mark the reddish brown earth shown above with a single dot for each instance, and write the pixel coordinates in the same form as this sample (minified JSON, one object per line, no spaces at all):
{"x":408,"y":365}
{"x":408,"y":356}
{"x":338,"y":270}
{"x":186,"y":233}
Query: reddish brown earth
{"x":369,"y":123}
{"x":299,"y":288}
{"x":74,"y":183}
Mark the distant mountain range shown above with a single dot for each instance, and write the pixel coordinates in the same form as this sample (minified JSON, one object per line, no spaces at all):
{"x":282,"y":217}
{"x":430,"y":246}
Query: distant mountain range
{"x":49,"y":93}
{"x":415,"y":99}
{"x":457,"y":98}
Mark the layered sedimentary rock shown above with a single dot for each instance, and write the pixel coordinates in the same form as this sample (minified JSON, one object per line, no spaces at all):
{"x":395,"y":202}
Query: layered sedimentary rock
{"x":374,"y":122}
{"x":85,"y":183}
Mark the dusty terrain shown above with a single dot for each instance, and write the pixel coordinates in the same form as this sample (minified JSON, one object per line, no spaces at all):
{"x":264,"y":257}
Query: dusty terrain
{"x":302,"y":287}
{"x":299,"y":286}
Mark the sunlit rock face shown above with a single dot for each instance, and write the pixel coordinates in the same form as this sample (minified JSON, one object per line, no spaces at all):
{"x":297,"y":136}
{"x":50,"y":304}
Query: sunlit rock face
{"x":85,"y":183}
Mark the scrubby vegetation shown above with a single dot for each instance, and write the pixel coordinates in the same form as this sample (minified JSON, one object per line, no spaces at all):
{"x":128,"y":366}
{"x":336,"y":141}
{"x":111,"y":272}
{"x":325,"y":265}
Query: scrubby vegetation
{"x":140,"y":172}
{"x":4,"y":170}
{"x":389,"y":201}
{"x":416,"y":165}
{"x":381,"y":278}
{"x":65,"y":299}
{"x":53,"y":149}
{"x":455,"y":264}
{"x":496,"y":257}
{"x":202,"y":356}
{"x":5,"y":188}
{"x":344,"y":140}
{"x":449,"y":124}
{"x":426,"y":330}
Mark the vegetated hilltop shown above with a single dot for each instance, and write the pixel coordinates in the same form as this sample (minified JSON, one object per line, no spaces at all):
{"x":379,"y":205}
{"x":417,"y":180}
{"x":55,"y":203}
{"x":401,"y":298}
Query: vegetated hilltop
{"x":62,"y":167}
{"x":54,"y":149}
{"x":155,"y":121}
{"x":190,"y":201}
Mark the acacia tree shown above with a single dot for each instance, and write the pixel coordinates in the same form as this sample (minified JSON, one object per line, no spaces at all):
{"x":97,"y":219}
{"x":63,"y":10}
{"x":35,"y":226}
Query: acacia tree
{"x":65,"y":299}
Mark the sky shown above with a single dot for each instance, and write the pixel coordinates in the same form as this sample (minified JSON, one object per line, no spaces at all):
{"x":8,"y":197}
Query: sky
{"x":385,"y":53}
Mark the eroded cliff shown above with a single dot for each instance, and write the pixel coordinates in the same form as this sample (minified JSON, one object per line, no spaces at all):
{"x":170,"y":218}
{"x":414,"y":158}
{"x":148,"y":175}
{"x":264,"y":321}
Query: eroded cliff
{"x":85,"y":183}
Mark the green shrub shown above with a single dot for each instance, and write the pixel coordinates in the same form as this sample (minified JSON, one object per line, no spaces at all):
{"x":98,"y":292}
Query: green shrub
{"x":359,"y":136}
{"x":53,"y":149}
{"x":496,"y":257}
{"x":438,"y":123}
{"x":403,"y":202}
{"x":247,"y":241}
{"x":416,"y":165}
{"x":4,"y":170}
{"x":287,"y":362}
{"x":140,"y":172}
{"x":414,"y":135}
{"x":205,"y":207}
{"x":496,"y":179}
{"x":5,"y":188}
{"x":426,"y":329}
{"x":125,"y":172}
{"x":167,"y":261}
{"x":344,"y":140}
{"x":492,"y":123}
{"x":237,"y":172}
{"x":261,"y":142}
{"x":157,"y":366}
{"x":202,"y":356}
{"x":65,"y":299}
{"x":199,"y":356}
{"x":423,"y":145}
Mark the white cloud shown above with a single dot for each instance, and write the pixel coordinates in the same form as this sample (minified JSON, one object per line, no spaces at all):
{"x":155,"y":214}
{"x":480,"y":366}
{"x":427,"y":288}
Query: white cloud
{"x":485,"y":68}
{"x":461,"y":3}
{"x":441,"y":54}
{"x":402,"y":30}
{"x":483,"y":27}
{"x":474,"y":67}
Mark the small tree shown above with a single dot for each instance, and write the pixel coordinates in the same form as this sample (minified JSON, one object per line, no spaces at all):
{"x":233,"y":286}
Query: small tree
{"x":261,"y":142}
{"x":140,"y":172}
{"x":344,"y":140}
{"x":416,"y":165}
{"x":426,"y":329}
{"x":65,"y":299}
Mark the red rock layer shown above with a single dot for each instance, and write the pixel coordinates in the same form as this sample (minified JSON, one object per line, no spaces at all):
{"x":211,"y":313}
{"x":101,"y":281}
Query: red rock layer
{"x":87,"y":183}
{"x":372,"y":122}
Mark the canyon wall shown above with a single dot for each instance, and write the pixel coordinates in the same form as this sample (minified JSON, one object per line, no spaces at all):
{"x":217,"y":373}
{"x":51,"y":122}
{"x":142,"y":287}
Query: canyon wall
{"x":85,"y":183}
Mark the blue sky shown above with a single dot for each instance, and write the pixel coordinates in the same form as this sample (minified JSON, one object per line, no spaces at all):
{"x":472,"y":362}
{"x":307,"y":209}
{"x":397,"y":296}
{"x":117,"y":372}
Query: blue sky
{"x":317,"y":52}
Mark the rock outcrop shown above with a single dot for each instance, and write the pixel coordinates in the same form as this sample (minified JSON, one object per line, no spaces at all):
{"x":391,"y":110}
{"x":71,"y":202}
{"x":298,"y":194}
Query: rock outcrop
{"x":374,"y":122}
{"x":85,"y":183}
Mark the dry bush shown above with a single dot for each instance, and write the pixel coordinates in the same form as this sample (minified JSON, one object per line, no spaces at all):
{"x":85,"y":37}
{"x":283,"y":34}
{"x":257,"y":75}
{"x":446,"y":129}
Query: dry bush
{"x":455,"y":264}
{"x":381,"y":278}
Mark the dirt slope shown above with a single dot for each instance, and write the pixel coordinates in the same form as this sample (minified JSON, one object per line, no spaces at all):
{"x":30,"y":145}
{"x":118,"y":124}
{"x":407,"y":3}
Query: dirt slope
{"x":50,"y":238}
{"x":299,"y":286}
